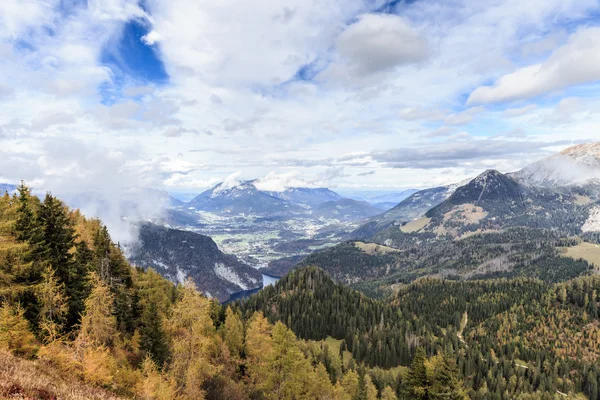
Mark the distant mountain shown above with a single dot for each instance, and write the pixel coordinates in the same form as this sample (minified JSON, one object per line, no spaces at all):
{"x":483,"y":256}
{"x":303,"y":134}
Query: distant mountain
{"x":177,"y":255}
{"x":243,"y":198}
{"x":306,"y":196}
{"x":394,"y":197}
{"x":346,"y":210}
{"x":385,"y":206}
{"x":576,"y":165}
{"x":412,"y":207}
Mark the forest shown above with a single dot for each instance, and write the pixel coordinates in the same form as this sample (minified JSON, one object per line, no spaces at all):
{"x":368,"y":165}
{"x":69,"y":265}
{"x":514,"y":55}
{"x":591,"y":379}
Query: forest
{"x":73,"y":310}
{"x":76,"y":311}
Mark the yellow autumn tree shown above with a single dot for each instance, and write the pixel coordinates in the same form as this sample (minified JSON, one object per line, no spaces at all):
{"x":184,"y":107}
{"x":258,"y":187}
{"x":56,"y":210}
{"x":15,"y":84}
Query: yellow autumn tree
{"x":98,"y":324}
{"x":15,"y":335}
{"x":388,"y":394}
{"x":53,"y":305}
{"x":192,"y":332}
{"x":233,"y":332}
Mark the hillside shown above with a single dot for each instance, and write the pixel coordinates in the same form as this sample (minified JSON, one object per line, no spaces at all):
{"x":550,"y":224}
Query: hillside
{"x":178,"y":255}
{"x":78,"y":322}
{"x":461,"y":317}
{"x":408,"y":209}
{"x":515,"y":252}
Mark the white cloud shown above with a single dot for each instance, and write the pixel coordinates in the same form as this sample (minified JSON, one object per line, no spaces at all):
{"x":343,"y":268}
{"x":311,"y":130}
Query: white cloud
{"x":230,"y":182}
{"x":379,"y":42}
{"x":463,"y":117}
{"x":575,"y":63}
{"x":517,"y":112}
{"x":151,"y":38}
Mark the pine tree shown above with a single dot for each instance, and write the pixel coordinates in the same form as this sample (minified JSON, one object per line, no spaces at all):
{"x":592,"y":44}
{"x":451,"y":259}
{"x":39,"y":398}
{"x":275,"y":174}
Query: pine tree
{"x":153,"y":341}
{"x":59,"y":241}
{"x":445,"y":380}
{"x":416,"y":383}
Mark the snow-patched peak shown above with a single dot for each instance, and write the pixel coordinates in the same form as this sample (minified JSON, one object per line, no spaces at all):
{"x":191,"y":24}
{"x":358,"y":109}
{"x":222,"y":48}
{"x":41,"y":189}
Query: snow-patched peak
{"x":575,"y":165}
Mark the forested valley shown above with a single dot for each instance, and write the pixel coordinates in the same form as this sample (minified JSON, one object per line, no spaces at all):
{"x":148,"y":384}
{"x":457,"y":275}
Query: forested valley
{"x":75,"y":314}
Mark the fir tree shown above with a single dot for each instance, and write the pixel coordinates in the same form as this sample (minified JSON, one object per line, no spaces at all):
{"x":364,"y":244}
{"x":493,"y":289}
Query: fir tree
{"x":152,"y":336}
{"x":416,"y":380}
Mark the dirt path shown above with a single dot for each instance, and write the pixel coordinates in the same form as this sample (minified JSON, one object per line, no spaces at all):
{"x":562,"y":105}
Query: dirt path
{"x":463,"y":325}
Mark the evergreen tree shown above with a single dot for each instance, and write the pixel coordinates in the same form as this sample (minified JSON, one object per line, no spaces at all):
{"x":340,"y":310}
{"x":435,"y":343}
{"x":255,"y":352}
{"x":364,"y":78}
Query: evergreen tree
{"x":416,"y":384}
{"x":445,"y":380}
{"x":153,"y":341}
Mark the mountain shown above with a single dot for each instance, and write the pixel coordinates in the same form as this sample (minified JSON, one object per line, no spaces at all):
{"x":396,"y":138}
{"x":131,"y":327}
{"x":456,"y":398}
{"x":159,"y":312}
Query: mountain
{"x":491,"y":190}
{"x":345,"y":210}
{"x":576,"y":165}
{"x":242,"y":198}
{"x":306,"y":196}
{"x":385,"y":206}
{"x":394,"y":197}
{"x":412,"y":207}
{"x":177,"y":255}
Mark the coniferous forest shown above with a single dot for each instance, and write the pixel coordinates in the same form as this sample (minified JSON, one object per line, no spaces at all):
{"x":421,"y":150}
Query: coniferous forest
{"x":74,"y":311}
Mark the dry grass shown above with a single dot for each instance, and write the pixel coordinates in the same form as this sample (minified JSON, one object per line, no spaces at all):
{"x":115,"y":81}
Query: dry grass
{"x":588,"y":251}
{"x":25,"y":379}
{"x":374,"y":248}
{"x":415,"y":225}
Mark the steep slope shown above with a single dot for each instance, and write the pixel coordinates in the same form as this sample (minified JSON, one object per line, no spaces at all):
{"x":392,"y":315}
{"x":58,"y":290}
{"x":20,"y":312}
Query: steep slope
{"x":345,"y":210}
{"x":243,"y":198}
{"x":306,"y":196}
{"x":177,"y":255}
{"x":576,"y":165}
{"x":491,"y":190}
{"x":410,"y":208}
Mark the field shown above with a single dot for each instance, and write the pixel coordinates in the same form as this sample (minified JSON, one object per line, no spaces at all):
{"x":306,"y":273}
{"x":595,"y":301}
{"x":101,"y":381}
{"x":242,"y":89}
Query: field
{"x":415,"y":225}
{"x":588,"y":251}
{"x":374,"y":248}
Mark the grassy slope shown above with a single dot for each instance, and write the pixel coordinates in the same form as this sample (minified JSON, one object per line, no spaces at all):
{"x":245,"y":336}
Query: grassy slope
{"x":588,"y":251}
{"x":25,"y":379}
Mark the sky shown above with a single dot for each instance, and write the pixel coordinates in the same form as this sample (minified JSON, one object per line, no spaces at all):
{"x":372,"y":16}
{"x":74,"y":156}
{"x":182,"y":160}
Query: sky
{"x":179,"y":95}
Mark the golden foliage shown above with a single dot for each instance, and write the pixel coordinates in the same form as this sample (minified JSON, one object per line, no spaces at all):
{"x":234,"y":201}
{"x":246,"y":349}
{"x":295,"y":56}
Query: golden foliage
{"x":15,"y":335}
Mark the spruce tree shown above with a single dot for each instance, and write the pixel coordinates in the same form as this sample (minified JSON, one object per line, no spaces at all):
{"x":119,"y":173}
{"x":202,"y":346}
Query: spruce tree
{"x":153,"y":341}
{"x":416,"y":384}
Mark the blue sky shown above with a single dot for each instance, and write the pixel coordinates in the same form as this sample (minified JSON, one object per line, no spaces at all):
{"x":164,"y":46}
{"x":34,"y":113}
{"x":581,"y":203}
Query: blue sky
{"x":181,"y":94}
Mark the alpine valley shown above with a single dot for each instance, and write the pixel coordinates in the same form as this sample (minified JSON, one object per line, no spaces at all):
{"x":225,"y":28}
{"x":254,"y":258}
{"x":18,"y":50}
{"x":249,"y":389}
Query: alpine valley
{"x":484,"y":289}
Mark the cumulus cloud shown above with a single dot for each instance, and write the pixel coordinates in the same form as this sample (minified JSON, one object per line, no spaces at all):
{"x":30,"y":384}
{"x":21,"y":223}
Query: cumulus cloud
{"x":279,"y":182}
{"x":151,"y":38}
{"x":574,"y":63}
{"x":377,"y":43}
{"x":230,"y":182}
